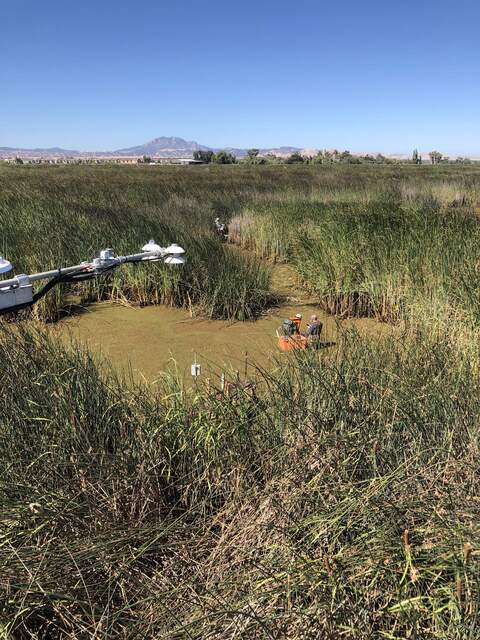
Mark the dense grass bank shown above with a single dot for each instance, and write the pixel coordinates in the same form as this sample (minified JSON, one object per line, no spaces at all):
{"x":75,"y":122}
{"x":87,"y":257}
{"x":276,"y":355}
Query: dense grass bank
{"x":340,"y":499}
{"x":356,"y":234}
{"x":52,"y":216}
{"x":383,"y":250}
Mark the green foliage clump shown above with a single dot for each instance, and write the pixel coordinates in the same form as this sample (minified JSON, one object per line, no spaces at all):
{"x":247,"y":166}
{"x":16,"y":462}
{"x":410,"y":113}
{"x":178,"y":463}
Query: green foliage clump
{"x":224,"y":157}
{"x":205,"y":156}
{"x":295,"y":158}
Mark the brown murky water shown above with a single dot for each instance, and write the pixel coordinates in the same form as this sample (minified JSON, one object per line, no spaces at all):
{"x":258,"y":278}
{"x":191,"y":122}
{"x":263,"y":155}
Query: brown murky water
{"x":152,"y":340}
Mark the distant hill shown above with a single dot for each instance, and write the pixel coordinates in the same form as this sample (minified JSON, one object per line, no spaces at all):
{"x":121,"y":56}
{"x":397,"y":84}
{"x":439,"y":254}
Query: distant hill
{"x":162,"y":147}
{"x":169,"y":147}
{"x":179,"y":148}
{"x":51,"y":152}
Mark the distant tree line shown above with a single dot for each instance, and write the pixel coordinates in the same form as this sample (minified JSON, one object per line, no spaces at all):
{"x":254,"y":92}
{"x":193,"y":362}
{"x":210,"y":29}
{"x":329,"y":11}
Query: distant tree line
{"x":254,"y":157}
{"x":336,"y":156}
{"x":322,"y":157}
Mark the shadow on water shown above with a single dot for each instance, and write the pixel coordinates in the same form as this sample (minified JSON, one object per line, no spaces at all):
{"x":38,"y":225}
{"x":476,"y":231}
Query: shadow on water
{"x":73,"y":310}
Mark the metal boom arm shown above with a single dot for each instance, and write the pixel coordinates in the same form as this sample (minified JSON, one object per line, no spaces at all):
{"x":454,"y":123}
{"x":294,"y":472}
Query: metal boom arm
{"x":17,"y":293}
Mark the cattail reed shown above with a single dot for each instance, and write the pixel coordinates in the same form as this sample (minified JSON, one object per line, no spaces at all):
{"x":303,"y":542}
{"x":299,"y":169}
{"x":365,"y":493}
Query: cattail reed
{"x":135,"y":511}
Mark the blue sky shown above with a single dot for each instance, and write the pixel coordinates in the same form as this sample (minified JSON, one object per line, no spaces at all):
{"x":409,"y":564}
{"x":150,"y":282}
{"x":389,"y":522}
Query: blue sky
{"x":366,"y":75}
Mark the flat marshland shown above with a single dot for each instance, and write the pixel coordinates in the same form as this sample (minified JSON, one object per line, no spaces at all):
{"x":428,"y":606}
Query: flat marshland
{"x":340,"y":499}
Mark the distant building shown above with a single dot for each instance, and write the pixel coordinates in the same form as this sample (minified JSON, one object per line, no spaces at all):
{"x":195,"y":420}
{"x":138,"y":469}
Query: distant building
{"x":93,"y":159}
{"x":185,"y":161}
{"x":182,"y":161}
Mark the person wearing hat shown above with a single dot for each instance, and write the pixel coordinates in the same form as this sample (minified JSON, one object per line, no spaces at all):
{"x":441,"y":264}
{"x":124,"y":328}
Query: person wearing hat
{"x":297,"y":321}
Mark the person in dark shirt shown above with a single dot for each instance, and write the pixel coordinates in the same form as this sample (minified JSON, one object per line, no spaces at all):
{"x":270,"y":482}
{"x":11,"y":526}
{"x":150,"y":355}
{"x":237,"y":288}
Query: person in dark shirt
{"x":297,"y":321}
{"x":314,"y":329}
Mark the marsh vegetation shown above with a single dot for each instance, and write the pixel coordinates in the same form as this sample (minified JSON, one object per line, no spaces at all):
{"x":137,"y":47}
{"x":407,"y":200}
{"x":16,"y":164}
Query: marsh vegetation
{"x":340,"y":498}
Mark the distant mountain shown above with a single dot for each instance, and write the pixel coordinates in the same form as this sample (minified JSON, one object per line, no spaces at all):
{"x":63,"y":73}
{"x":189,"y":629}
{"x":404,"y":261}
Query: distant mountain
{"x":51,"y":152}
{"x":168,"y":147}
{"x":164,"y":147}
{"x":179,"y":148}
{"x":281,"y":151}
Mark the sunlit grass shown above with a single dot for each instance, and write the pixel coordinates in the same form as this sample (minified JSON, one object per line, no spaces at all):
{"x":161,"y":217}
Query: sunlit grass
{"x":53,"y":216}
{"x":346,"y":483}
{"x":336,"y":499}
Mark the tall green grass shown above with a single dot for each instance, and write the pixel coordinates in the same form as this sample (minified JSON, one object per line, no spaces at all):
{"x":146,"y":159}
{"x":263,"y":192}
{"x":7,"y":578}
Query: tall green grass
{"x":56,"y":216}
{"x":381,"y":254}
{"x":384,"y":259}
{"x":340,"y":498}
{"x":367,"y":240}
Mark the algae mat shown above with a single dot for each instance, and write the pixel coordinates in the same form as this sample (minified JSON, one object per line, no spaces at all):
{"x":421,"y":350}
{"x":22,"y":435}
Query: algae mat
{"x":147,"y":341}
{"x":151,"y":340}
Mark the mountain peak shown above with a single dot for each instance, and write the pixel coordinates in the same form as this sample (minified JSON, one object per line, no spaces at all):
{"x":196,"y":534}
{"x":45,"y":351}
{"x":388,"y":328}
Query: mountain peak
{"x":160,"y":147}
{"x":170,"y":140}
{"x":164,"y":146}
